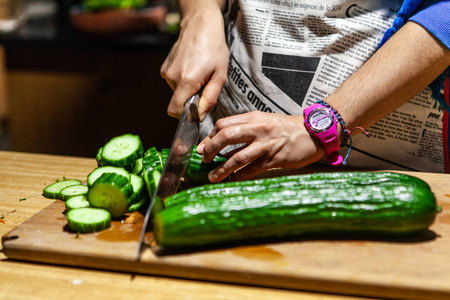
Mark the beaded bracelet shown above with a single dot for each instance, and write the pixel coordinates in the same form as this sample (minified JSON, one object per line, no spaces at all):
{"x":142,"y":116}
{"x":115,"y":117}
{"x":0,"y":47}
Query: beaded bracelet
{"x":347,"y":137}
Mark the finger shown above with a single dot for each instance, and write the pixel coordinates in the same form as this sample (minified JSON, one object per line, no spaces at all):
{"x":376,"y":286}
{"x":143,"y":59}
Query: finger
{"x":210,"y":94}
{"x":201,"y":145}
{"x":179,"y":97}
{"x":227,"y":136}
{"x":165,"y":69}
{"x":228,"y":122}
{"x":235,"y":162}
{"x":254,"y":168}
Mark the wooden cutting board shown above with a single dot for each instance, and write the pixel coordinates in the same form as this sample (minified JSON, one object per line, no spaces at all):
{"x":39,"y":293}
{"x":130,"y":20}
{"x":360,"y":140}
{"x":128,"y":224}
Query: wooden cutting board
{"x":407,"y":268}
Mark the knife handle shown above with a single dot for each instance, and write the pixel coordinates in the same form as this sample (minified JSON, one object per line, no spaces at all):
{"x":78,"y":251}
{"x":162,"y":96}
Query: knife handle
{"x":191,"y":106}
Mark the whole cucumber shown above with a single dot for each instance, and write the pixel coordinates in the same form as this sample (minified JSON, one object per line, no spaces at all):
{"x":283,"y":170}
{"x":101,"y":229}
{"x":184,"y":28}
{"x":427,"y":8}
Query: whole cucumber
{"x":386,"y":204}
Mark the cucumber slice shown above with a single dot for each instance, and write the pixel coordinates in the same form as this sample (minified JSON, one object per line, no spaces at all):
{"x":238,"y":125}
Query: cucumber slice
{"x":52,"y":191}
{"x":137,"y":206}
{"x":151,"y":179}
{"x":77,"y":202}
{"x":99,"y":159}
{"x":73,"y":190}
{"x":138,"y":185}
{"x":138,"y":166}
{"x":94,"y":175}
{"x":88,"y":219}
{"x":122,"y":150}
{"x":112,"y":192}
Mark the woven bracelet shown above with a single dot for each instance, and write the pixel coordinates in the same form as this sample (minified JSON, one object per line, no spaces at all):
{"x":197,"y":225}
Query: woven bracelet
{"x":347,"y":137}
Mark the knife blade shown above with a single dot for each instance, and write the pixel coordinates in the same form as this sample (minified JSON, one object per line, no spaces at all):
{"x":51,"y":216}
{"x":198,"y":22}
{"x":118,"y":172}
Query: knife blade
{"x":186,"y":137}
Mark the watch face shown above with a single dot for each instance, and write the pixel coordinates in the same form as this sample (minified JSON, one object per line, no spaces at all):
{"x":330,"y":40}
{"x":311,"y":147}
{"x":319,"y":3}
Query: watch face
{"x":320,"y":119}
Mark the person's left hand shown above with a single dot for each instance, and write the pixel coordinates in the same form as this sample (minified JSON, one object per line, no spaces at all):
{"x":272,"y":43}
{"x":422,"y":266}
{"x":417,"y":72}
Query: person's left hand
{"x":271,"y":141}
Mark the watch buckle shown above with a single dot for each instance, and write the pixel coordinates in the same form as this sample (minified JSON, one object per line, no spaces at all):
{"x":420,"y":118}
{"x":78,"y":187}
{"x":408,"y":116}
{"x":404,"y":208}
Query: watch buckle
{"x":335,"y":158}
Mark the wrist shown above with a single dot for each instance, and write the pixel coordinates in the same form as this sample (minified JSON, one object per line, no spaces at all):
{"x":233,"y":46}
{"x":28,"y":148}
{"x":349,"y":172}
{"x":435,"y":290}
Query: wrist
{"x":189,"y":9}
{"x":330,"y":132}
{"x":322,"y":123}
{"x":202,"y":19}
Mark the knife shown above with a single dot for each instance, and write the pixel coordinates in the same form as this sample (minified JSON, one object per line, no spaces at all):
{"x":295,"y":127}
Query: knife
{"x":185,"y":139}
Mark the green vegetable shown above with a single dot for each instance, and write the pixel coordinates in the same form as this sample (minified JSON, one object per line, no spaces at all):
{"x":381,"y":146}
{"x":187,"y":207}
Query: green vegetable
{"x":122,"y":151}
{"x":386,"y":204}
{"x":197,"y":171}
{"x":85,"y":220}
{"x":112,"y":192}
{"x":138,"y":185}
{"x":140,"y":204}
{"x":77,"y":202}
{"x":137,"y":167}
{"x":105,"y":4}
{"x":99,"y":158}
{"x":52,"y":191}
{"x":309,"y":181}
{"x":152,"y":169}
{"x":73,"y":190}
{"x":96,"y":173}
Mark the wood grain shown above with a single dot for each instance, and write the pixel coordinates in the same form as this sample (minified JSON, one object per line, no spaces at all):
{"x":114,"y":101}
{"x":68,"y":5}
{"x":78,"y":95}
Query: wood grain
{"x":23,"y":175}
{"x":407,"y":268}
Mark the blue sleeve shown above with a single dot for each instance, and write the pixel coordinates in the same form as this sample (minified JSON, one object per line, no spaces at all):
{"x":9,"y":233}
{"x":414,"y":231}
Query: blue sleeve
{"x":434,"y":15}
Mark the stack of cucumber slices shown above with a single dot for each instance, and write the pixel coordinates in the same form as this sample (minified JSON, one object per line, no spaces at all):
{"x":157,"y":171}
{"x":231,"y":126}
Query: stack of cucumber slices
{"x":122,"y":182}
{"x":114,"y":188}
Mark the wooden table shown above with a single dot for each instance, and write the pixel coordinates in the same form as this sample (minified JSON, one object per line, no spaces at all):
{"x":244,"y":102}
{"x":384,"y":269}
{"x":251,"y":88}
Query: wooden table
{"x":22,"y":178}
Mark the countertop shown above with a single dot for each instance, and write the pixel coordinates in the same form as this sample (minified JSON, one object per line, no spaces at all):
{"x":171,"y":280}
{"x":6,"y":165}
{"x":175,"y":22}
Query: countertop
{"x":29,"y":173}
{"x":24,"y":175}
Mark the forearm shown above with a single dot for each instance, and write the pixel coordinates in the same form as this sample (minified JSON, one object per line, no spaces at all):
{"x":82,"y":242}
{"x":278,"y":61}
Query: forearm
{"x":398,"y":71}
{"x":199,"y":58}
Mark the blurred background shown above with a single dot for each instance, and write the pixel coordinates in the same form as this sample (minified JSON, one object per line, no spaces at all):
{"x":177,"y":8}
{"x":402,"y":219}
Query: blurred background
{"x":75,"y":73}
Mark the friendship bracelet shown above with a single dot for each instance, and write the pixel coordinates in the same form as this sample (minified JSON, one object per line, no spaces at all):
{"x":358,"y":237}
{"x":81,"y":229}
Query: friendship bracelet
{"x":347,"y":137}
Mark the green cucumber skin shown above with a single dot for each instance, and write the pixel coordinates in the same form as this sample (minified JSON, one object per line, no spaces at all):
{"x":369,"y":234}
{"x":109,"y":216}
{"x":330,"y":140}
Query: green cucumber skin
{"x":99,"y":159}
{"x":140,"y":204}
{"x":151,"y":163}
{"x":197,"y":171}
{"x":73,"y":190}
{"x":80,"y":220}
{"x":397,"y":209}
{"x":53,"y":190}
{"x":316,"y":180}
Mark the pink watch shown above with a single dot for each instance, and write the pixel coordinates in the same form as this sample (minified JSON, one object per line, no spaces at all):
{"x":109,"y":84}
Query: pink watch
{"x":321,"y":123}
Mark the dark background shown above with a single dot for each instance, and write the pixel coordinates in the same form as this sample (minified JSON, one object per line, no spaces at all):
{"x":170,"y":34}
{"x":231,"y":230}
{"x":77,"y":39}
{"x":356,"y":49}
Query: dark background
{"x":68,"y":92}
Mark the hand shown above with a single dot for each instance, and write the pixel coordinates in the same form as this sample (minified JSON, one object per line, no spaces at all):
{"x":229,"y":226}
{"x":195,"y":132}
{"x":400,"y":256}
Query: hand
{"x":198,"y":59}
{"x":272,"y":141}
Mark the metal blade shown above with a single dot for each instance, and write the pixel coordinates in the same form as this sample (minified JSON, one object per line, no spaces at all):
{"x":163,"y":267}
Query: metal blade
{"x":185,"y":139}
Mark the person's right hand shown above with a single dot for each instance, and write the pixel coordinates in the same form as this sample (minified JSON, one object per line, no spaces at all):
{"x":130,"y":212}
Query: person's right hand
{"x":198,"y":59}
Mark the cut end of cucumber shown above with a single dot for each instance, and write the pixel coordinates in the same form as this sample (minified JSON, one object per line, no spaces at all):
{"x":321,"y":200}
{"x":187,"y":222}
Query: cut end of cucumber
{"x":122,"y":150}
{"x":86,"y":220}
{"x":111,"y":192}
{"x":53,"y":190}
{"x":73,"y":190}
{"x":77,"y":202}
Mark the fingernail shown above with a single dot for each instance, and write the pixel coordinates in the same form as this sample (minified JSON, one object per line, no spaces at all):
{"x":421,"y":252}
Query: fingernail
{"x":200,"y":148}
{"x":212,"y":177}
{"x":203,"y":117}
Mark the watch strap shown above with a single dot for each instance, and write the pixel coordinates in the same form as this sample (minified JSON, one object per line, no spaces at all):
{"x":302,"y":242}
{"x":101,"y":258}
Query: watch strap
{"x":329,"y":138}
